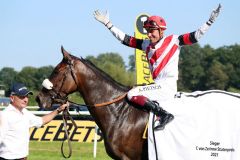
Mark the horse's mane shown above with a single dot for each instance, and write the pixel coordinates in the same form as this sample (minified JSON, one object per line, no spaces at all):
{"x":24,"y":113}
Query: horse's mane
{"x":101,"y":73}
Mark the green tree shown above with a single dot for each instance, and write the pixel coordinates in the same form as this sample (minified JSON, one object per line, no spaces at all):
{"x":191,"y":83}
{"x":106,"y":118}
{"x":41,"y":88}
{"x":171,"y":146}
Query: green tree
{"x":199,"y":69}
{"x":7,"y":77}
{"x":229,"y":56}
{"x":113,"y":64}
{"x":131,"y":63}
{"x":191,"y":71}
{"x":27,"y":76}
{"x":216,"y":76}
{"x":41,"y":74}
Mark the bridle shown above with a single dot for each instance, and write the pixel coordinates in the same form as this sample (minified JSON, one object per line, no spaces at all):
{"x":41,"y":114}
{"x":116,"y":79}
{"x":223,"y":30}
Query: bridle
{"x":59,"y":97}
{"x":56,"y":95}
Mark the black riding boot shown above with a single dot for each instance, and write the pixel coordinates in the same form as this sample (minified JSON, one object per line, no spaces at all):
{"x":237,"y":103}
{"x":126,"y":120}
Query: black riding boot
{"x":164,"y":116}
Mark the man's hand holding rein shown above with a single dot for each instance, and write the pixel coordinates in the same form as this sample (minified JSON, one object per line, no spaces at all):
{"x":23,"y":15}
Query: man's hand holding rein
{"x":62,"y":107}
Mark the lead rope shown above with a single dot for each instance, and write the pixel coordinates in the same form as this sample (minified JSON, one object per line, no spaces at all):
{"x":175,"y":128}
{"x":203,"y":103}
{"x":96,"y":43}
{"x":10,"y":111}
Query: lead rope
{"x":65,"y":116}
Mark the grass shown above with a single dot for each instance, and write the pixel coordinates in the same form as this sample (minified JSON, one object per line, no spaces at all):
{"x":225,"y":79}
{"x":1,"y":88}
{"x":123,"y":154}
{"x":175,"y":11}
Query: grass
{"x":52,"y":151}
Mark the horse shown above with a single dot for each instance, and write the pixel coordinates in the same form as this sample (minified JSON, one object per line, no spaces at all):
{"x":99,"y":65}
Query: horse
{"x":121,"y":124}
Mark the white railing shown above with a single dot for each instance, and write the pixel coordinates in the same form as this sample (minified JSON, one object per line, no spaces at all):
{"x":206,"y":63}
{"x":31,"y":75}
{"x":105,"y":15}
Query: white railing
{"x":34,"y":110}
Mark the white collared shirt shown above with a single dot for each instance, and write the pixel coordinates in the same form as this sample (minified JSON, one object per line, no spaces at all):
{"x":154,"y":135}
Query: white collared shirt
{"x":14,"y":132}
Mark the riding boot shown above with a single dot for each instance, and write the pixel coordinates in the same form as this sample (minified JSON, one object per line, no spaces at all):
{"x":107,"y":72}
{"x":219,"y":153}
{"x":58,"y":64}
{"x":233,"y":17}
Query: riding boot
{"x":164,"y":116}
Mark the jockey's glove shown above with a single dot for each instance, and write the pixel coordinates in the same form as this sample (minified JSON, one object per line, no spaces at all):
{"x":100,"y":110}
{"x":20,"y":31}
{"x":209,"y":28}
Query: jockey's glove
{"x":103,"y":18}
{"x":214,"y":15}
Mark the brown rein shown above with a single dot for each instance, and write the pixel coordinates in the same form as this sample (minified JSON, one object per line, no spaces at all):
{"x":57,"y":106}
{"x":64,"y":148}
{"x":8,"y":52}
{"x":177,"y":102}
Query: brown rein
{"x":101,"y":104}
{"x":70,"y":64}
{"x":110,"y":102}
{"x":66,"y":115}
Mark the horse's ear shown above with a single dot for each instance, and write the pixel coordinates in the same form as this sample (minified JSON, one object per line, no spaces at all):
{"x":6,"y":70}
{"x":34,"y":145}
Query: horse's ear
{"x":66,"y":55}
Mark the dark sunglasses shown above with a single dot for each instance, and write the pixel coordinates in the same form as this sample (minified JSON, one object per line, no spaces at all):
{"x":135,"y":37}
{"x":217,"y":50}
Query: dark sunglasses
{"x":22,"y":97}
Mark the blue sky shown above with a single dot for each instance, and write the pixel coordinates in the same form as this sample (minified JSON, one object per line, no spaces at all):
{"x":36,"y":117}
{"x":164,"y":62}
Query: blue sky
{"x":32,"y":32}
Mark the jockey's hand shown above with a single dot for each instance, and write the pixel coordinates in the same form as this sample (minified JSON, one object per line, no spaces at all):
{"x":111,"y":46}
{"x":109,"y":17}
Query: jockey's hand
{"x":214,"y":14}
{"x":103,"y":18}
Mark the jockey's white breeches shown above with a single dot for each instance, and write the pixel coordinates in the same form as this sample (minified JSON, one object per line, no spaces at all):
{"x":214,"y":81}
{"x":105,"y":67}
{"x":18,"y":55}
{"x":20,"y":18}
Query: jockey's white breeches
{"x":156,"y":92}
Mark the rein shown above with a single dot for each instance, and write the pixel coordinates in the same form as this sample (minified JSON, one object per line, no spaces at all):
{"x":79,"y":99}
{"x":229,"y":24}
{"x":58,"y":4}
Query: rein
{"x":62,"y":99}
{"x":101,"y":104}
{"x":110,"y":102}
{"x":65,"y":116}
{"x":57,"y":97}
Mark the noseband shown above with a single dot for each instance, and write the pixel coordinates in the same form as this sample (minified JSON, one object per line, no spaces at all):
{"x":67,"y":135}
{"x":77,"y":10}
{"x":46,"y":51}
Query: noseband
{"x":57,"y":97}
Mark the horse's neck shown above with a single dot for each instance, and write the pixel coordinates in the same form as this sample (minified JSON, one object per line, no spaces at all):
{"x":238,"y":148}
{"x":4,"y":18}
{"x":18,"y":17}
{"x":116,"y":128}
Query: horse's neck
{"x":101,"y":93}
{"x":97,"y":88}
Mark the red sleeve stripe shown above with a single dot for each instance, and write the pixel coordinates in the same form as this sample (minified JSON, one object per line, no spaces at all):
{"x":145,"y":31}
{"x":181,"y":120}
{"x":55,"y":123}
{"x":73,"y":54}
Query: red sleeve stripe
{"x":186,"y":39}
{"x":133,"y":42}
{"x":165,"y":61}
{"x":160,"y":50}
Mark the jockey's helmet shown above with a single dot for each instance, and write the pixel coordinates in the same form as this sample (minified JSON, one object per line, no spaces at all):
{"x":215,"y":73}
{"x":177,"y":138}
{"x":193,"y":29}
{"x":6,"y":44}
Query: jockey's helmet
{"x":155,"y":22}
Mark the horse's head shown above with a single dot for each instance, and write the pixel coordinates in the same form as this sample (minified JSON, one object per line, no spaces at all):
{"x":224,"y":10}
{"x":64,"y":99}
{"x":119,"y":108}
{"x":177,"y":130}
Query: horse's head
{"x":61,"y":83}
{"x":77,"y":74}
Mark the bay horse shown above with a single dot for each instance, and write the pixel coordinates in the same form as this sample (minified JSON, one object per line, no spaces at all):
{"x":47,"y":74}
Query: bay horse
{"x":121,"y":123}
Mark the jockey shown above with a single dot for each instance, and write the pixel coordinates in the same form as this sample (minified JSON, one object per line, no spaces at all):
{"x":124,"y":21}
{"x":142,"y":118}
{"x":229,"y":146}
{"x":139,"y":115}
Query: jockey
{"x":162,"y":53}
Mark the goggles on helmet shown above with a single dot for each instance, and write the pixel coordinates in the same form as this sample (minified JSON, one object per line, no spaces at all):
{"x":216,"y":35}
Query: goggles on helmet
{"x":150,"y":24}
{"x":155,"y":22}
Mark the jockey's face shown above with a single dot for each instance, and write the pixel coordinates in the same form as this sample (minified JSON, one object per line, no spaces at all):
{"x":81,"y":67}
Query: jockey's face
{"x":154,"y":34}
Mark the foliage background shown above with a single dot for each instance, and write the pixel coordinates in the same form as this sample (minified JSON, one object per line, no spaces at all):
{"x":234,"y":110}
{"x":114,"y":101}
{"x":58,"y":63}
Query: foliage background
{"x":200,"y":68}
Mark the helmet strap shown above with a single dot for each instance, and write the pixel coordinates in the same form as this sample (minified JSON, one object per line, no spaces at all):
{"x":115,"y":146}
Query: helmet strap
{"x":161,"y":33}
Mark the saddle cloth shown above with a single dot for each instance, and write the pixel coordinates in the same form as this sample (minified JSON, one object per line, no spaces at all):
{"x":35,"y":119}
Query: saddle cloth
{"x":206,"y":126}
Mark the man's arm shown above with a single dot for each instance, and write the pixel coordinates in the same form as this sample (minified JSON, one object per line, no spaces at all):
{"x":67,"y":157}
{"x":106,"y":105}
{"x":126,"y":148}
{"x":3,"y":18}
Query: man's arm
{"x":47,"y":118}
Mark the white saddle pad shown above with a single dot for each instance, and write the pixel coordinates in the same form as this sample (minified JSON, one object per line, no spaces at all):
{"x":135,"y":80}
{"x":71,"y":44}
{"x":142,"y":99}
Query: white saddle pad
{"x":206,"y":126}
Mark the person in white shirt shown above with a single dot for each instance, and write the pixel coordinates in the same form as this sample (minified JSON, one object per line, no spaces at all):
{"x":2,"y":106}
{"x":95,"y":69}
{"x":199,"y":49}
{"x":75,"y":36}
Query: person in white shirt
{"x":162,"y":53}
{"x":15,"y":121}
